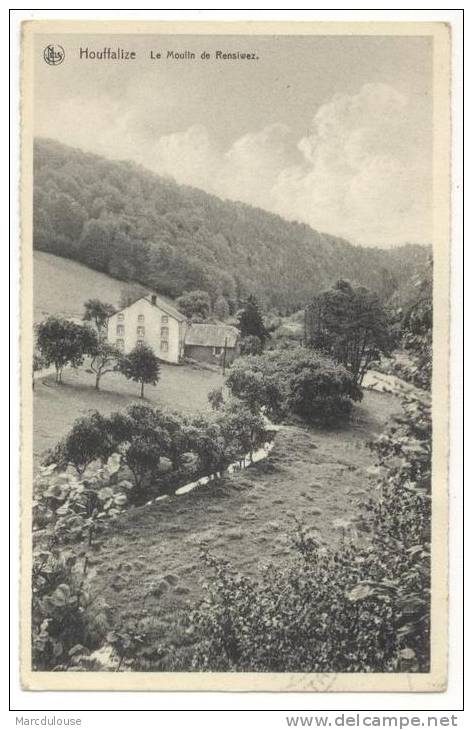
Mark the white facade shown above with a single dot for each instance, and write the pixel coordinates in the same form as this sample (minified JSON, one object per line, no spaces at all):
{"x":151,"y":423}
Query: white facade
{"x":149,"y":321}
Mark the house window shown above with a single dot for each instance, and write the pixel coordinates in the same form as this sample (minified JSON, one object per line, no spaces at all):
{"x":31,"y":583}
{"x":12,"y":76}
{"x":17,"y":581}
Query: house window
{"x":121,"y":317}
{"x":141,"y":318}
{"x":164,"y":319}
{"x":140,"y":331}
{"x":140,"y":342}
{"x":218,"y":350}
{"x":120,"y":344}
{"x":164,"y":346}
{"x":120,"y":329}
{"x":164,"y":333}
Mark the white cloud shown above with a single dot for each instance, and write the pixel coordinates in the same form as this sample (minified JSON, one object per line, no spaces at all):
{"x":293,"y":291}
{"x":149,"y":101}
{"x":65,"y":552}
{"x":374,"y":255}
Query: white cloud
{"x":362,"y":171}
{"x":359,"y":173}
{"x":363,"y":175}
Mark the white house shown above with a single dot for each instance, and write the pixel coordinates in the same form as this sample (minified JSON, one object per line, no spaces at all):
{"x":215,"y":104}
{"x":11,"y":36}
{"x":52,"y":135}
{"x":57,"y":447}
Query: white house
{"x":152,"y":321}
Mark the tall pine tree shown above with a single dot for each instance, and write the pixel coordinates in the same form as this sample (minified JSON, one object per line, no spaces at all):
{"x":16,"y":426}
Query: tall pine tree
{"x":250,"y":321}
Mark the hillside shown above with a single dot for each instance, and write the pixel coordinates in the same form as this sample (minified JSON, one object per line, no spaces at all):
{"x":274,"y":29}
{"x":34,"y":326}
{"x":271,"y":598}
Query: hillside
{"x":73,"y":284}
{"x":122,"y":220}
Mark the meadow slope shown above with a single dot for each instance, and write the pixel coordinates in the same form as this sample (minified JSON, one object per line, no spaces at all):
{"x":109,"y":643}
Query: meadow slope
{"x":149,"y":568}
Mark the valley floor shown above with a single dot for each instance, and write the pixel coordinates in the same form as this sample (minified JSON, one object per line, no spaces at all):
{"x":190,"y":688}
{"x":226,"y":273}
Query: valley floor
{"x":149,"y":568}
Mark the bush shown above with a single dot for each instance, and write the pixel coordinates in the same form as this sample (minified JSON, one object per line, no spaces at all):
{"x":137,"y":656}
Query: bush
{"x":68,"y":620}
{"x":87,"y":441}
{"x":296,"y":380}
{"x":142,"y":456}
{"x":321,"y":391}
{"x":362,"y":607}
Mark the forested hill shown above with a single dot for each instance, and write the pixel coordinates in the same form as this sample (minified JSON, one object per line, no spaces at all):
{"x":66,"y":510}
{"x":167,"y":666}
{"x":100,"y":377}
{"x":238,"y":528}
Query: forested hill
{"x":121,"y":219}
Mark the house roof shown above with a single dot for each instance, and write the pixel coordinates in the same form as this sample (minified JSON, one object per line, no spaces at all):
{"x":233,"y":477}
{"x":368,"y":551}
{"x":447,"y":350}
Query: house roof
{"x":168,"y":308}
{"x":211,"y":335}
{"x":161,"y":303}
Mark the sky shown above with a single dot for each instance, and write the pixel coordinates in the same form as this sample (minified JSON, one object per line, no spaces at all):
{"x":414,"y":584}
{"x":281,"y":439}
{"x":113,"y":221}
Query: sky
{"x":333,"y":131}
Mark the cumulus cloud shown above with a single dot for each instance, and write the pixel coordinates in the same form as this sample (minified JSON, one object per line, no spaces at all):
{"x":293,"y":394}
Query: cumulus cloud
{"x":363,"y":175}
{"x":359,"y":173}
{"x":362,"y":171}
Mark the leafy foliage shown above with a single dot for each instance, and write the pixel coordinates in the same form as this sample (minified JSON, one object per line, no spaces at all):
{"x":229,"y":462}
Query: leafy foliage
{"x":143,"y":436}
{"x":251,"y":345}
{"x":417,"y":333}
{"x":120,"y":219}
{"x":141,"y":365}
{"x":221,"y":309}
{"x":106,"y":358}
{"x":98,"y":312}
{"x":194,"y":304}
{"x":86,"y":441}
{"x":296,"y":380}
{"x":62,"y":342}
{"x":349,"y":324}
{"x":68,"y":620}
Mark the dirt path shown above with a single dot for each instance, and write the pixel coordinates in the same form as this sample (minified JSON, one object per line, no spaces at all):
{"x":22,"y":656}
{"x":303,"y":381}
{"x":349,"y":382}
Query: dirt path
{"x":151,"y":566}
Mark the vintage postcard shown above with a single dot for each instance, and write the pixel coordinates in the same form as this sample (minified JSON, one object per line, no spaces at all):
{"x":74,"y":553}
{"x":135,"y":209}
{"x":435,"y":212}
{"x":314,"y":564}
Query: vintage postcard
{"x":235,"y":365}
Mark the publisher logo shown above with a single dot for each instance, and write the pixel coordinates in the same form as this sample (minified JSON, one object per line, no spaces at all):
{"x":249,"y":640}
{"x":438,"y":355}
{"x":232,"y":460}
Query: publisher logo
{"x":54,"y":55}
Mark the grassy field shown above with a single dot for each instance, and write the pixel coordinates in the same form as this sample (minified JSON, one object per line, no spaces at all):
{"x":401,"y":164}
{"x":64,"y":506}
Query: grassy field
{"x":56,"y":407}
{"x":150,"y":567}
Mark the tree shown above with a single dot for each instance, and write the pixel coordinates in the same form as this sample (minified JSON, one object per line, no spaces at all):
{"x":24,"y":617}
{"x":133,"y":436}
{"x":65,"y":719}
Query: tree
{"x":141,"y":365}
{"x":98,"y":312}
{"x":129,"y":294}
{"x":349,"y":323}
{"x":194,"y":304}
{"x":62,"y":342}
{"x":106,"y":359}
{"x":221,"y":309}
{"x":87,"y":441}
{"x":250,"y":321}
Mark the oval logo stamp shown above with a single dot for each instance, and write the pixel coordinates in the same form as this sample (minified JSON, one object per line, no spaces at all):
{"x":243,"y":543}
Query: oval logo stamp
{"x":54,"y":54}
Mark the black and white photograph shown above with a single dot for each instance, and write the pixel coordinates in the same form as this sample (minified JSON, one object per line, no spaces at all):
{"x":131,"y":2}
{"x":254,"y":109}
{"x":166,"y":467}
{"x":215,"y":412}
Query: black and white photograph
{"x":235,"y":272}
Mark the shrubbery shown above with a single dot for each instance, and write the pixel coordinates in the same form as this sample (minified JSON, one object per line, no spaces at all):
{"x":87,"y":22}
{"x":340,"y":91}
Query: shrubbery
{"x":251,"y":345}
{"x":68,"y":619}
{"x":295,"y":380}
{"x":142,"y":436}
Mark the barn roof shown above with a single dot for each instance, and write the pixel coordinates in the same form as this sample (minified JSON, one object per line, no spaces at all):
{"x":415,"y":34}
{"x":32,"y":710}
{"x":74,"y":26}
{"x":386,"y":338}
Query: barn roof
{"x":211,"y":335}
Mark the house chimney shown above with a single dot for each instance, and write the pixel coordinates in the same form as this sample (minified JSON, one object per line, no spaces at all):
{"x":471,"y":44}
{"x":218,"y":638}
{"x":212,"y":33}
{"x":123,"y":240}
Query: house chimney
{"x":153,"y":299}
